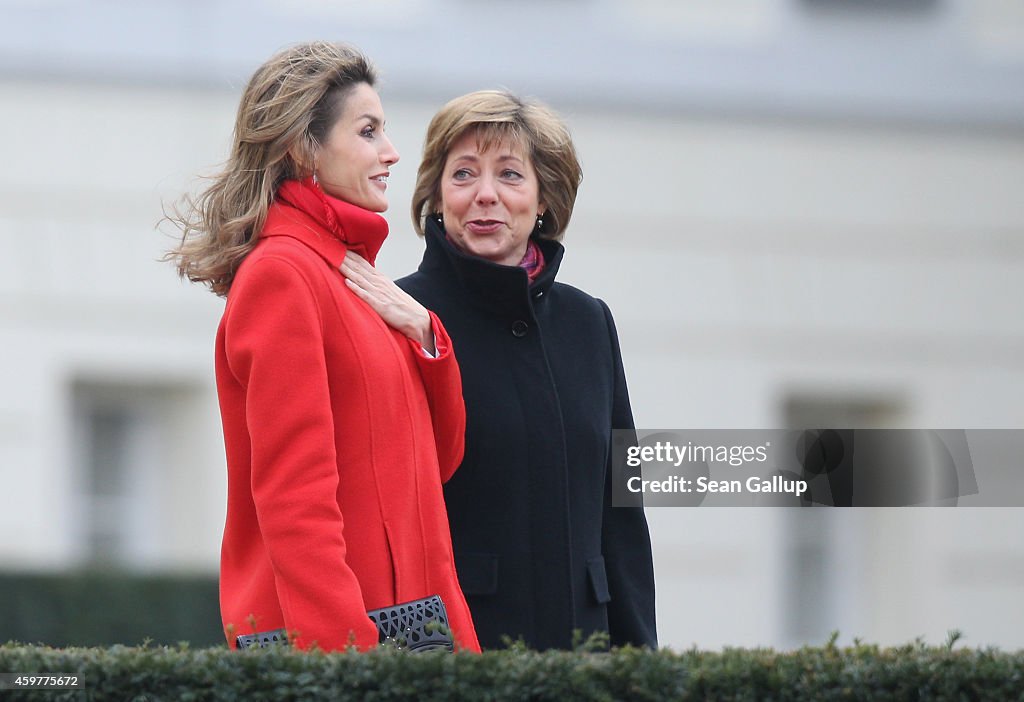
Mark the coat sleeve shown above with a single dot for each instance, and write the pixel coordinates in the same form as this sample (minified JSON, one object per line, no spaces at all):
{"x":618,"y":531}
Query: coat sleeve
{"x":443,"y":383}
{"x":626,"y":541}
{"x":275,"y":349}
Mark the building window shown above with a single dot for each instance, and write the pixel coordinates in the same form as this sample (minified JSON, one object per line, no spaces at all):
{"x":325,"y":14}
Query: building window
{"x":120,"y":440}
{"x":823,"y":560}
{"x":902,"y":7}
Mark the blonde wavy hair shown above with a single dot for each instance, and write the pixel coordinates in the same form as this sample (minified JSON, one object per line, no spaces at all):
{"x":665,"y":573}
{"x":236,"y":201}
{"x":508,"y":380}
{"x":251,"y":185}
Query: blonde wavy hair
{"x":499,"y":117}
{"x":285,"y":113}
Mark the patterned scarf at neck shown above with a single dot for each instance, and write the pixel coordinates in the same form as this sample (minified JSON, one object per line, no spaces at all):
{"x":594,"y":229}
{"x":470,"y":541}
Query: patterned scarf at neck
{"x":533,"y":261}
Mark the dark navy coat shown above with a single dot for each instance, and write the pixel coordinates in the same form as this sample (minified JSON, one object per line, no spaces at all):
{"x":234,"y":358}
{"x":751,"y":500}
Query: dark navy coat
{"x":539,"y":549}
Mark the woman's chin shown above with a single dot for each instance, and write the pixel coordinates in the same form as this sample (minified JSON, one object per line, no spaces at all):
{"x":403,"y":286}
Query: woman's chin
{"x":486,"y":252}
{"x":486,"y":248}
{"x":376,"y":205}
{"x":373,"y":204}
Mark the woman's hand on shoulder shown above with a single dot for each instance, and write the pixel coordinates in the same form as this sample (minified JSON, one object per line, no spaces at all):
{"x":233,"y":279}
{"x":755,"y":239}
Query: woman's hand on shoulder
{"x":396,"y":307}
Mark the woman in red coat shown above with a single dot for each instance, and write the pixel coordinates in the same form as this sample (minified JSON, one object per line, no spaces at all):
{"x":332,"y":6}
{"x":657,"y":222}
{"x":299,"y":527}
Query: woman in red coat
{"x":340,"y":397}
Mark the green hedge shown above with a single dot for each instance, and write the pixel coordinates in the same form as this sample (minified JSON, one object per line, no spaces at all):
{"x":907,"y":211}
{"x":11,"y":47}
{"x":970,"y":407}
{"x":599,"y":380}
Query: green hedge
{"x":912,"y":672}
{"x":91,"y":608}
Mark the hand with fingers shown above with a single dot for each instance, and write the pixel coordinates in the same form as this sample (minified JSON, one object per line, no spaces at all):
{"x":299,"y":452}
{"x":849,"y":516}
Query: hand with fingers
{"x":398,"y":310}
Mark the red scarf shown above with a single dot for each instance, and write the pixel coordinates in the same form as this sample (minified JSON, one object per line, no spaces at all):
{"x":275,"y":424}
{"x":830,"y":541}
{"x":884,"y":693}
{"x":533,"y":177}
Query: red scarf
{"x":362,"y":231}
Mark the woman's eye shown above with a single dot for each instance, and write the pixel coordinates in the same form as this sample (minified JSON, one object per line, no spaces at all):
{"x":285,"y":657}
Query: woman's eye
{"x":509,"y":173}
{"x":368,"y":131}
{"x":461,"y":174}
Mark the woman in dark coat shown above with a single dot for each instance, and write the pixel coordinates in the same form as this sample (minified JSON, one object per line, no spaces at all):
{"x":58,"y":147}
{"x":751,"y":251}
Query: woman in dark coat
{"x":540,"y":551}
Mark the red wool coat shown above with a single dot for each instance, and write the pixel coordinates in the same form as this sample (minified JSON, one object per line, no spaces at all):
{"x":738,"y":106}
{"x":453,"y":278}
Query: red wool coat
{"x":339,"y":432}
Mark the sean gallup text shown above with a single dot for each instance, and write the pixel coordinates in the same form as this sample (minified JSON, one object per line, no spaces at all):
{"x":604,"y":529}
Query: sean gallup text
{"x":678,"y":484}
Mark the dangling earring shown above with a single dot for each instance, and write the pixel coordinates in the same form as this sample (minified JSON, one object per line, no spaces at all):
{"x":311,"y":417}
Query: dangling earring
{"x":439,"y":218}
{"x":540,"y":224}
{"x":316,"y":181}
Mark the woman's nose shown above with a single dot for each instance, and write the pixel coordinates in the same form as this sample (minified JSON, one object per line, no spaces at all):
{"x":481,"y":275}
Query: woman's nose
{"x":389,"y":154}
{"x":486,"y":192}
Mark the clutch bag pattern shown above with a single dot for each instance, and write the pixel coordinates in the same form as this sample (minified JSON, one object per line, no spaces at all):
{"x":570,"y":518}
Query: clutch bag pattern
{"x":419,"y":625}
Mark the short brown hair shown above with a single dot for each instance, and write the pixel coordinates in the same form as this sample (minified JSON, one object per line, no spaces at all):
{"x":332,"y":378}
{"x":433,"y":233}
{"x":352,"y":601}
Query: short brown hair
{"x":285,"y":112}
{"x":498,"y":116}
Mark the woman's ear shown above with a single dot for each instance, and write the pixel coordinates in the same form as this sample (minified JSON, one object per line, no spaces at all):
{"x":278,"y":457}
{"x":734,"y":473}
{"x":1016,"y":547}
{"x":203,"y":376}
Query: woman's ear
{"x":304,"y":157}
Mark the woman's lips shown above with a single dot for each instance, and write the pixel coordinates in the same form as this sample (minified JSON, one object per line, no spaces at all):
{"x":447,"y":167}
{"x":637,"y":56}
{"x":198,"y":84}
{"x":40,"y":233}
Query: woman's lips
{"x":483,"y":226}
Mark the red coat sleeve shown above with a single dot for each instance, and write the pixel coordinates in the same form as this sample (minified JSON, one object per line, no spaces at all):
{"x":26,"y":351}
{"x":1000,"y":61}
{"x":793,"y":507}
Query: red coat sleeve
{"x":275,"y":349}
{"x":443,"y":383}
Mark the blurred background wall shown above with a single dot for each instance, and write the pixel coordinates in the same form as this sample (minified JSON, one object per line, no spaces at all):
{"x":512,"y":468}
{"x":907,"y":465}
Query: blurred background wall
{"x":801,"y":212}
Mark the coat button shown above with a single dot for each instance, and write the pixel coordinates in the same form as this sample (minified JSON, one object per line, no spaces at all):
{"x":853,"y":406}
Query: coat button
{"x":538,"y":295}
{"x":519,"y":328}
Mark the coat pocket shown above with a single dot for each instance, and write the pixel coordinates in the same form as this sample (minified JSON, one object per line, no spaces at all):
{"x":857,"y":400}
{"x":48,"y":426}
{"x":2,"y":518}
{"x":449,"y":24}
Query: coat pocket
{"x":396,"y":583}
{"x":478,"y":573}
{"x":598,"y":580}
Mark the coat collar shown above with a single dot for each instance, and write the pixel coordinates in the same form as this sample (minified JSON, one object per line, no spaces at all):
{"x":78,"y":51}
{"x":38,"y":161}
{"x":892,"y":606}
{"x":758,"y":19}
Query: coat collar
{"x":329,"y":226}
{"x":505,"y":288}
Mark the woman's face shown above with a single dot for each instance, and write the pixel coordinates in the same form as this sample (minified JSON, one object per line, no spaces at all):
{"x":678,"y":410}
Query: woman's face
{"x":354,"y":162}
{"x":489,"y":199}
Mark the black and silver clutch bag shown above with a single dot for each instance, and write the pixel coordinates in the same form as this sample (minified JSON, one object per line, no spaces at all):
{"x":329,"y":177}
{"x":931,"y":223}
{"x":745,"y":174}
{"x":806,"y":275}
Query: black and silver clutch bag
{"x":420,"y":625}
{"x":264,"y":639}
